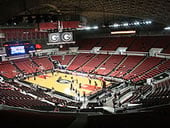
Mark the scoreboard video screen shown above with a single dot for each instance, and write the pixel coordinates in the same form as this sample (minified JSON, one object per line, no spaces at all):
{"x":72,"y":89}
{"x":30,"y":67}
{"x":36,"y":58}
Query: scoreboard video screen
{"x":18,"y":48}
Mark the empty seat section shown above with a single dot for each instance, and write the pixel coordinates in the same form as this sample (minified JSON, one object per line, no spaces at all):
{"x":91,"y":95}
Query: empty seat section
{"x":167,"y":45}
{"x":159,"y":69}
{"x":110,"y":64}
{"x":80,"y":60}
{"x":17,"y":99}
{"x":87,"y":44}
{"x":126,"y":41}
{"x":64,"y":60}
{"x":57,"y":58}
{"x":143,"y":67}
{"x":127,"y":65}
{"x":93,"y":63}
{"x":44,"y":62}
{"x":26,"y":66}
{"x":161,"y":42}
{"x":110,"y":43}
{"x":142,"y":44}
{"x":167,"y":51}
{"x":8,"y":70}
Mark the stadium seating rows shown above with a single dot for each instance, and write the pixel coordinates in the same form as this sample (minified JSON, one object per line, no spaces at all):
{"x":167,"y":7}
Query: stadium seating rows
{"x":135,"y":68}
{"x":140,"y":44}
{"x":160,"y":94}
{"x":14,"y":94}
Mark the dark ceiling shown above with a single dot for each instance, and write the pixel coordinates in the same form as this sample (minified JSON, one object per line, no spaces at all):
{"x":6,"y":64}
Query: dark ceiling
{"x":95,"y":11}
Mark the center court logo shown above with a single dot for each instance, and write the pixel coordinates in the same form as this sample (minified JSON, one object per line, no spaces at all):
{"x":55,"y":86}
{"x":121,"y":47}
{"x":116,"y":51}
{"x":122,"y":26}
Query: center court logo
{"x":63,"y":81}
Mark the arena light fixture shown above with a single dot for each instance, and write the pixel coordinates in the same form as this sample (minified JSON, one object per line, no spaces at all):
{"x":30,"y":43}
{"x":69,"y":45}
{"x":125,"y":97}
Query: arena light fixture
{"x":116,"y":25}
{"x":87,"y":28}
{"x":125,"y":24}
{"x":148,"y":22}
{"x":95,"y":27}
{"x":167,"y":28}
{"x":124,"y":32}
{"x":136,"y":23}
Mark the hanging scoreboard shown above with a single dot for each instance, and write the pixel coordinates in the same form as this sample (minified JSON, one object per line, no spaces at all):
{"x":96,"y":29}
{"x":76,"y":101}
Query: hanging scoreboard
{"x":60,"y":38}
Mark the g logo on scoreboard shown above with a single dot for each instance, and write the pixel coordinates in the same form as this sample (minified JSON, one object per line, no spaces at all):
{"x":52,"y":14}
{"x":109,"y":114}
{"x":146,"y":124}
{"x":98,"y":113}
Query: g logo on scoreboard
{"x":60,"y":38}
{"x":54,"y":37}
{"x":66,"y":36}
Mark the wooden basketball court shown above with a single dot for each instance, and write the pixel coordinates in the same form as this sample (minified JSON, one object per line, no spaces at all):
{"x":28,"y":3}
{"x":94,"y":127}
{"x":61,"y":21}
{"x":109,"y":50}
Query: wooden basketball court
{"x":68,"y":84}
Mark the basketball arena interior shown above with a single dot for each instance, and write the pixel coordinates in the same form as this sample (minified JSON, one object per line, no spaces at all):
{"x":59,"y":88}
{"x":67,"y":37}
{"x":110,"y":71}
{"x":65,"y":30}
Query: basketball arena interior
{"x":84,"y":63}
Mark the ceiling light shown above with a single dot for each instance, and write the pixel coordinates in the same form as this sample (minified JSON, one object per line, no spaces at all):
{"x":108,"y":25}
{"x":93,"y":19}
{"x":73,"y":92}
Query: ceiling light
{"x":116,"y":25}
{"x":124,"y":32}
{"x":95,"y":27}
{"x":148,"y":22}
{"x":87,"y":28}
{"x":125,"y":24}
{"x":136,"y":23}
{"x":167,"y":28}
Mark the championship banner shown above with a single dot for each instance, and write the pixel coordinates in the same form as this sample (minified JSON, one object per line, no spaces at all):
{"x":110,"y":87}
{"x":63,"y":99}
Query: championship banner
{"x":60,"y":38}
